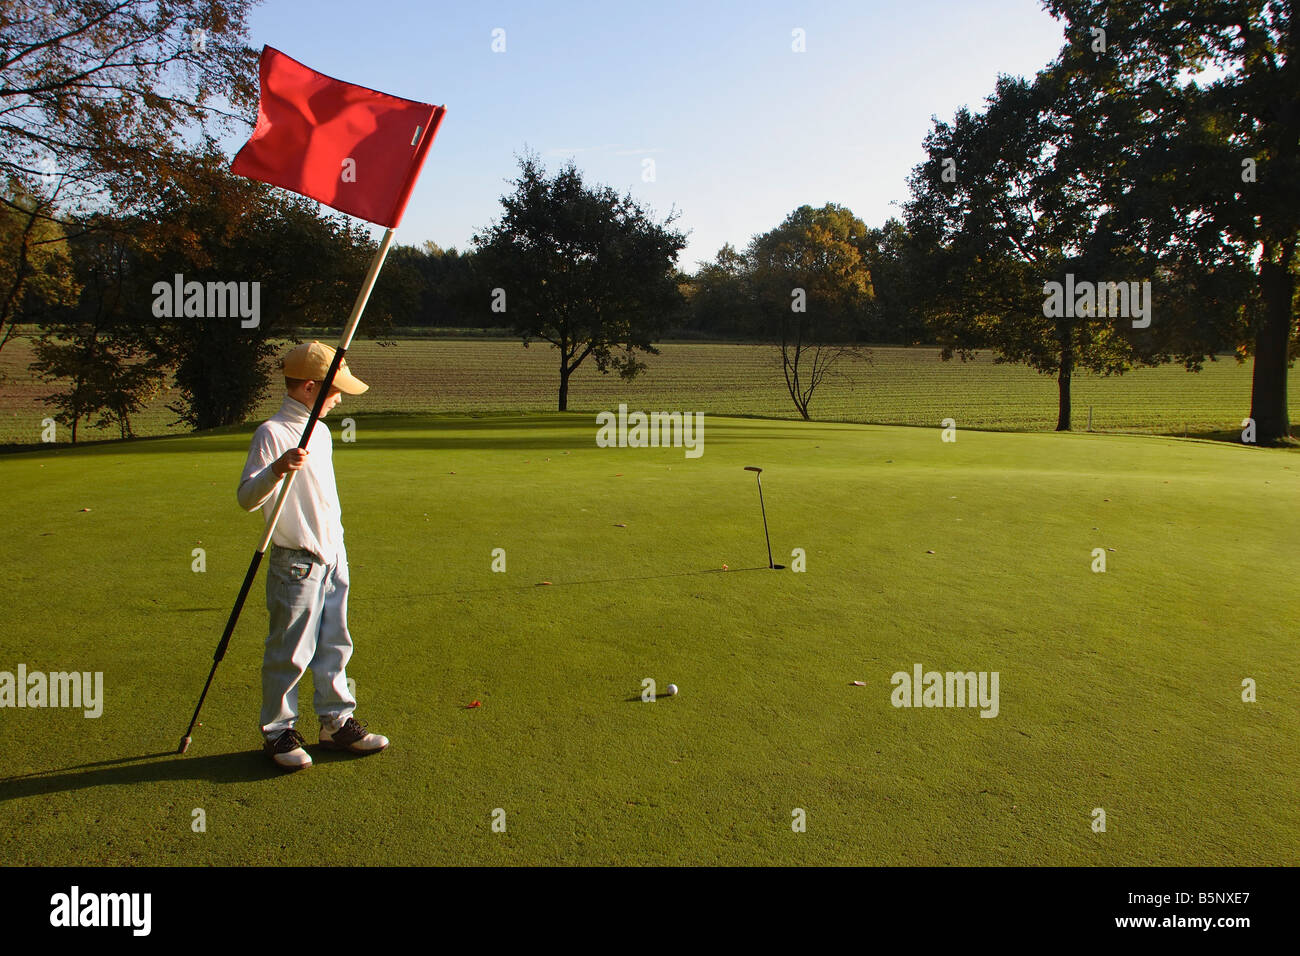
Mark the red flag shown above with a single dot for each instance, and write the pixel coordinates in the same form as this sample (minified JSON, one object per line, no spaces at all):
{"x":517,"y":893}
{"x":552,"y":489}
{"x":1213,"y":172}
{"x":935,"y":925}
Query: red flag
{"x":347,"y":146}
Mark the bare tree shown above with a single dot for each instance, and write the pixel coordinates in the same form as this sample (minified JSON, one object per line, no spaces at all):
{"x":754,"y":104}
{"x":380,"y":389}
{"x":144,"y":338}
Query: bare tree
{"x":810,"y":270}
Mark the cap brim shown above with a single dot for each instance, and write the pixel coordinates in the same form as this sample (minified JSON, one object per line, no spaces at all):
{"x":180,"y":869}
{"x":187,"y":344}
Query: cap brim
{"x":348,"y":384}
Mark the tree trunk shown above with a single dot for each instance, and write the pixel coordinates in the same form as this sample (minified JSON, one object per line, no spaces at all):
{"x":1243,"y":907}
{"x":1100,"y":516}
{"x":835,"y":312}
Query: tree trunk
{"x":1268,"y":387}
{"x":1063,"y":385}
{"x":564,"y":387}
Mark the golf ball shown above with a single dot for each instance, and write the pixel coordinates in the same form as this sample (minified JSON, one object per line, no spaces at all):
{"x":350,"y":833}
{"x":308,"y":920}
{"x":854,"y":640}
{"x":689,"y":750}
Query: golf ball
{"x":670,"y":690}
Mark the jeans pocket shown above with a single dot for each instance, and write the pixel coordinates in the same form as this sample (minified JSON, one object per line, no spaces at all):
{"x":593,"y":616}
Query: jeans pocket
{"x":292,"y":572}
{"x":293,"y":583}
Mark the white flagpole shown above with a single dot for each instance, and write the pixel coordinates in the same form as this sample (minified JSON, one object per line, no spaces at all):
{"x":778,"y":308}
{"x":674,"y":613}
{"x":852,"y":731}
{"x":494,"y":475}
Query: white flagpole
{"x":363,"y":296}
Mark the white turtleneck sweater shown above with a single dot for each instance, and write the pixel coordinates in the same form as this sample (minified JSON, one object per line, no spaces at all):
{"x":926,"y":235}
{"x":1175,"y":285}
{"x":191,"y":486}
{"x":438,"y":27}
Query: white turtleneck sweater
{"x":311,"y":519}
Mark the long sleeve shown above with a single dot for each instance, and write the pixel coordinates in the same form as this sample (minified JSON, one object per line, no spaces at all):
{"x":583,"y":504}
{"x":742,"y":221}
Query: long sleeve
{"x":311,"y":518}
{"x":258,"y":480}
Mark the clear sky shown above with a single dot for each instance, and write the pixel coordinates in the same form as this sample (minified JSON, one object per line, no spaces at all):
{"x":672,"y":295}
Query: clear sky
{"x":742,"y":130}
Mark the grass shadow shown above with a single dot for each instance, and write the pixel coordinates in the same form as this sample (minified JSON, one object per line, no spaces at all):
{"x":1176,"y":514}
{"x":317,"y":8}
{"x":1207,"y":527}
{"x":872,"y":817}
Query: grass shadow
{"x":246,"y":766}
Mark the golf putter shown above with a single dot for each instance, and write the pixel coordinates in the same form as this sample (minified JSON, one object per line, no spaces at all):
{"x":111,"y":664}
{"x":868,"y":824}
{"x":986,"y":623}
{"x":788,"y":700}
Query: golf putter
{"x":758,"y":473}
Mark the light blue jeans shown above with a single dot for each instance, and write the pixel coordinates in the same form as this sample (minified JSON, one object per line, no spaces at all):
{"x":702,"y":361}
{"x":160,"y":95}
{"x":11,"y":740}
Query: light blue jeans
{"x":308,"y":605}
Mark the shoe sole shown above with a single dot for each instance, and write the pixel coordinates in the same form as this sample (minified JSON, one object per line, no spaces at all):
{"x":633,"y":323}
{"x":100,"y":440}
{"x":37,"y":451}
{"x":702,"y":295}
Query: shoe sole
{"x":285,"y":768}
{"x":280,"y":766}
{"x":344,"y":748}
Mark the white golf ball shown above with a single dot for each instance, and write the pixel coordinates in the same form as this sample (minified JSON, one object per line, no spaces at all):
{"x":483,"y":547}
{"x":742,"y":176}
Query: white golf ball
{"x":672,"y":689}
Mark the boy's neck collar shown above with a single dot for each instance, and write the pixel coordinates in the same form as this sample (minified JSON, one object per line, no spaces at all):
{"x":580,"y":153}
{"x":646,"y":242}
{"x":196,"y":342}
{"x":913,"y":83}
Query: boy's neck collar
{"x":294,"y":404}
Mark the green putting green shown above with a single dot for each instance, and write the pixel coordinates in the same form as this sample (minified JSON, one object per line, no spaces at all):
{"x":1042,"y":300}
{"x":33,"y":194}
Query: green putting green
{"x":1119,"y":690}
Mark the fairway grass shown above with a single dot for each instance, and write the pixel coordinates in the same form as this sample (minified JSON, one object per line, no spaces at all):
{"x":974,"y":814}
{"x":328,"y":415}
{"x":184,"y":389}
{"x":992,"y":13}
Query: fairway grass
{"x":1119,"y":690}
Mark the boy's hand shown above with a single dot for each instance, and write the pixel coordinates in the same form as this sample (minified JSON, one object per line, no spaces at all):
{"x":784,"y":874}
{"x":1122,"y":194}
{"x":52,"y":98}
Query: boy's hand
{"x":291,"y":460}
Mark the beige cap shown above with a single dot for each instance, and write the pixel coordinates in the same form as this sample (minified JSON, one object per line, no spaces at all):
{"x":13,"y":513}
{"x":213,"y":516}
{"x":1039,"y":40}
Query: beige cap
{"x":311,"y":360}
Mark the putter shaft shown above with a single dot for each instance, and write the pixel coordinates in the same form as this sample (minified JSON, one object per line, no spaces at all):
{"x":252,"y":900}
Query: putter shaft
{"x":758,"y":474}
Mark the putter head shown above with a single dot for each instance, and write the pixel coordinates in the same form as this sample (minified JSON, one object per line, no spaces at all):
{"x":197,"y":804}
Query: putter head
{"x":753,"y":468}
{"x":185,"y":745}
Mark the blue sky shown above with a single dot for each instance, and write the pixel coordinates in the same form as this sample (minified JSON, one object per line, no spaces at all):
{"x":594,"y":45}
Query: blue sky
{"x":741,"y":129}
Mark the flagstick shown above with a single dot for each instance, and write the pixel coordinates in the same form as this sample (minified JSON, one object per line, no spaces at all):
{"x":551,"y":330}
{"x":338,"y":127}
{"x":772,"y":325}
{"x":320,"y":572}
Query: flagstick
{"x":354,"y":320}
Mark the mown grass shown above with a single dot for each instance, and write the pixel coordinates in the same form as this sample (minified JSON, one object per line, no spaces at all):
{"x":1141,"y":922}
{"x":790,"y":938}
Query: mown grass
{"x":1119,"y":690}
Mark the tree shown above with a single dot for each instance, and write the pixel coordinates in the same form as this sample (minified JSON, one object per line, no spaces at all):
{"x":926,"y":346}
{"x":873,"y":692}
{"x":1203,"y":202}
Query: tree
{"x":91,"y":346}
{"x":1007,"y":201}
{"x":219,"y":228}
{"x":452,"y":291}
{"x":97,"y":97}
{"x":892,"y":257}
{"x":1221,"y":166}
{"x":102,"y":92}
{"x":812,"y":285}
{"x":722,"y":295}
{"x":582,"y":268}
{"x":243,"y":246}
{"x":405,"y":288}
{"x":100,"y":376}
{"x":36,"y":272}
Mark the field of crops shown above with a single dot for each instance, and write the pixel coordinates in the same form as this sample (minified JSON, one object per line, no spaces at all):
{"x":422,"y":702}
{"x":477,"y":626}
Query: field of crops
{"x":897,"y":386}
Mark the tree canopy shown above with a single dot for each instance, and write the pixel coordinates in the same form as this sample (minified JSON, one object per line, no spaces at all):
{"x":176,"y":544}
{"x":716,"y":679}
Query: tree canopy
{"x":1201,"y":102}
{"x":582,"y":268}
{"x":812,"y":287}
{"x":100,"y":94}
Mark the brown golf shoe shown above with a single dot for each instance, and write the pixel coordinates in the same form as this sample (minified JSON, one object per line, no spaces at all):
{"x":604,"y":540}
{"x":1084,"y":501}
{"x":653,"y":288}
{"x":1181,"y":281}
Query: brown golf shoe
{"x":352,"y":737}
{"x":287,"y":751}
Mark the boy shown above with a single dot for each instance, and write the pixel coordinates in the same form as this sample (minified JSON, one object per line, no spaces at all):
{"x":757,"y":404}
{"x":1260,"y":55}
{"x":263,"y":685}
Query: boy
{"x":307,"y":566}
